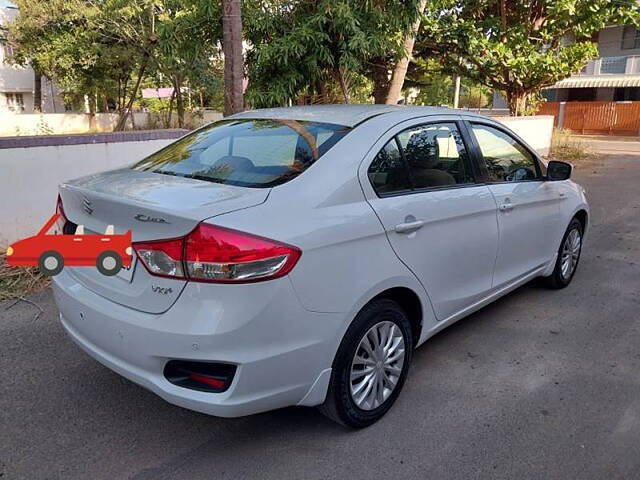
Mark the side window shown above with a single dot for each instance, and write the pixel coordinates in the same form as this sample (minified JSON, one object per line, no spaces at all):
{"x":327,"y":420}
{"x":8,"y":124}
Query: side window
{"x":387,"y":172}
{"x":436,"y":156}
{"x":506,"y":159}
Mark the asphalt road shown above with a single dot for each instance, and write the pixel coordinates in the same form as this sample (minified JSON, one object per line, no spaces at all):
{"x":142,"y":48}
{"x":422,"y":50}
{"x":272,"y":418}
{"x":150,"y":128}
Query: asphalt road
{"x":541,"y":384}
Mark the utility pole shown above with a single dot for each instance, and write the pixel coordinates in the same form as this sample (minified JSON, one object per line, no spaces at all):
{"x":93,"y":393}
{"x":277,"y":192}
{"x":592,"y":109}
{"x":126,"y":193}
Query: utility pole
{"x":456,"y":92}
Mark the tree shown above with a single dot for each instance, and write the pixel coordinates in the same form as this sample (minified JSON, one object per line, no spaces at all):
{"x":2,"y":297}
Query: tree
{"x":233,"y":60}
{"x":307,"y":47}
{"x":517,"y":46}
{"x":104,"y":49}
{"x":63,"y":41}
{"x":400,"y":70}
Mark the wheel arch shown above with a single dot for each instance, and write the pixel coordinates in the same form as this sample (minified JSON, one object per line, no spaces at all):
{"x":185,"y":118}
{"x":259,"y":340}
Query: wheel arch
{"x":583,"y":218}
{"x":410,"y":303}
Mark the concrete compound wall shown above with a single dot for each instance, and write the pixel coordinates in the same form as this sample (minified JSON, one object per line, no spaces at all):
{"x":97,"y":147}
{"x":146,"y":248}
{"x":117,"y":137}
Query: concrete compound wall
{"x":14,"y":124}
{"x":535,"y":130}
{"x":32,"y":167}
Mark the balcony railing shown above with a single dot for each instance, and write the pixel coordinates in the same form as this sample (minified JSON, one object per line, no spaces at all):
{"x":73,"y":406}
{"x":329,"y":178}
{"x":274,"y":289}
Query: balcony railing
{"x":621,"y":65}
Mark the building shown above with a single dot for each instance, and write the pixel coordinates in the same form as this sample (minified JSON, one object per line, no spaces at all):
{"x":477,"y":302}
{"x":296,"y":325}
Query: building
{"x":615,"y":76}
{"x":17,"y":83}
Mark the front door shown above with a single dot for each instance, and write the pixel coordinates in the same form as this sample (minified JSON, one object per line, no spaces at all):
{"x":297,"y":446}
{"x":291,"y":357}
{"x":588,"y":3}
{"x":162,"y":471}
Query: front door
{"x":528,"y":207}
{"x":439,"y":221}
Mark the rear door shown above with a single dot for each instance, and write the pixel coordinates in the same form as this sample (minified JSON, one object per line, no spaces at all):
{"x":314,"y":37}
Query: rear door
{"x":439,"y":220}
{"x":528,"y":207}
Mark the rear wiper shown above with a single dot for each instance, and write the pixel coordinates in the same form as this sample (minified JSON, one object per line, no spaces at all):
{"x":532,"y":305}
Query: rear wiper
{"x":195,"y":176}
{"x":174,"y":174}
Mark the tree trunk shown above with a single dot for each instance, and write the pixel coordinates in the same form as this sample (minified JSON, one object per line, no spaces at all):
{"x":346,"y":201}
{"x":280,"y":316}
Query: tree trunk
{"x":37,"y":90}
{"x":170,"y":113}
{"x":380,"y":78}
{"x":323,"y":93}
{"x":518,"y":103}
{"x":122,"y":121}
{"x":400,"y":70}
{"x":344,"y":88}
{"x":233,"y":60}
{"x":177,"y":90}
{"x":92,"y":111}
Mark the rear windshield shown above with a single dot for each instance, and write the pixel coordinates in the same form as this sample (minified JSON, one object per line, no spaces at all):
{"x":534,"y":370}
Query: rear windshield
{"x":244,"y":152}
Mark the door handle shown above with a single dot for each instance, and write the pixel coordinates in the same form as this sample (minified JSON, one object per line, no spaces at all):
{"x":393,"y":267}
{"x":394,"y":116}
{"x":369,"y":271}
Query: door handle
{"x":562,"y":195}
{"x":409,"y":227}
{"x":505,"y":207}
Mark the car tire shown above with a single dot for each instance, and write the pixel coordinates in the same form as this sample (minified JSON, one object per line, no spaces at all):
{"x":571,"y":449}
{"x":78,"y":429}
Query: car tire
{"x":385,"y":322}
{"x":109,"y":263}
{"x":50,"y":263}
{"x":568,"y":256}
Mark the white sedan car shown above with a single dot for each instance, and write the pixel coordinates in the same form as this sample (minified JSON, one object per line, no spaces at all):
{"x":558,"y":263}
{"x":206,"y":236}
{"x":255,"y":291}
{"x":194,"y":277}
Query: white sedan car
{"x":297,"y":256}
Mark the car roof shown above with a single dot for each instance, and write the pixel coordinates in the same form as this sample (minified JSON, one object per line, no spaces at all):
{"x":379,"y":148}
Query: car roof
{"x":347,"y":115}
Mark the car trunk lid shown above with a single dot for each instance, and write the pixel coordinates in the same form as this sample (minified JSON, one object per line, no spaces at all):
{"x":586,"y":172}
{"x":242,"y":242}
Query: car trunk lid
{"x":153,"y":206}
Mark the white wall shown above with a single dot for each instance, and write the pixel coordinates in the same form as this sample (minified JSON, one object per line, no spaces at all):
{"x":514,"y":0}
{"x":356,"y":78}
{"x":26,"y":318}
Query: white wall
{"x":535,"y":130}
{"x":12,"y":124}
{"x":30,"y":177}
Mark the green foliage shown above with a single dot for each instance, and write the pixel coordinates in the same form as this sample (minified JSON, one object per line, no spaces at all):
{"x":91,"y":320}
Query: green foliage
{"x":62,"y":38}
{"x":475,"y":96}
{"x":101,"y":47}
{"x":325,"y":50}
{"x":308,"y":46}
{"x":519,"y":46}
{"x":437,"y":87}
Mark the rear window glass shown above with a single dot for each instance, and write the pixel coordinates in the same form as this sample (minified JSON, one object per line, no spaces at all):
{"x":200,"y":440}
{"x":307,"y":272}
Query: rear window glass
{"x":248,"y":153}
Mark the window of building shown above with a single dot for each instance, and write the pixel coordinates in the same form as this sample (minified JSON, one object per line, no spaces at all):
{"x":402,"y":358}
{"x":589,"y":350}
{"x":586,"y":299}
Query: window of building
{"x":7,"y":50}
{"x":581,"y":94}
{"x":625,"y":94}
{"x":15,"y":102}
{"x":613,"y":64}
{"x":630,"y":38}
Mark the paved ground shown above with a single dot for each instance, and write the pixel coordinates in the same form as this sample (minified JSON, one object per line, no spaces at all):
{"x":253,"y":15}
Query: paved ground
{"x":615,"y":145}
{"x":541,"y":384}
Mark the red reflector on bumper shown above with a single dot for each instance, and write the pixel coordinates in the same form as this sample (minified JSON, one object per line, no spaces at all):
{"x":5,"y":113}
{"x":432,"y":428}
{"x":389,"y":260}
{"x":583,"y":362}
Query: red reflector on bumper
{"x":214,"y":382}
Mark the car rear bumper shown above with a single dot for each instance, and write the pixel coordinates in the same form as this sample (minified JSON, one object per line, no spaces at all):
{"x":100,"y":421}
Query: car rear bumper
{"x":283,"y":352}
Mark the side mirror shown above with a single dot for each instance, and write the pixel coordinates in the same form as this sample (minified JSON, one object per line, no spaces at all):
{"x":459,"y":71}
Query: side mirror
{"x":557,"y":170}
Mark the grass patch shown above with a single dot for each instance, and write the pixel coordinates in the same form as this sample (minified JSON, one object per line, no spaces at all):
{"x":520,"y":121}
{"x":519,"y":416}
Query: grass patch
{"x":566,"y":147}
{"x":15,"y":282}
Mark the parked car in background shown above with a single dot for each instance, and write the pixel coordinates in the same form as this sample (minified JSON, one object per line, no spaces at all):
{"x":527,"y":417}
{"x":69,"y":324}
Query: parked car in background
{"x":297,"y":256}
{"x":50,"y":252}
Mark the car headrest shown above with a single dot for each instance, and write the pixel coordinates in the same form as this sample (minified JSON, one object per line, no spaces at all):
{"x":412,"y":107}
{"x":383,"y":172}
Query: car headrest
{"x":234,"y":162}
{"x":422,"y":150}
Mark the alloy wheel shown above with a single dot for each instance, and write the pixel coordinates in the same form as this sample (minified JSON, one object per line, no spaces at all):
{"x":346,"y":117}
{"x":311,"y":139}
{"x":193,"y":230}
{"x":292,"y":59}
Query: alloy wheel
{"x":377,"y":365}
{"x":570,"y":253}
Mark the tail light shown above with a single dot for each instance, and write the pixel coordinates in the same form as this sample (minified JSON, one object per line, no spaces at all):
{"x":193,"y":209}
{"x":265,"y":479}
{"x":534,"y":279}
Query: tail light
{"x":63,"y":224}
{"x":220,"y":255}
{"x":162,"y":258}
{"x":62,"y":219}
{"x":202,"y":376}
